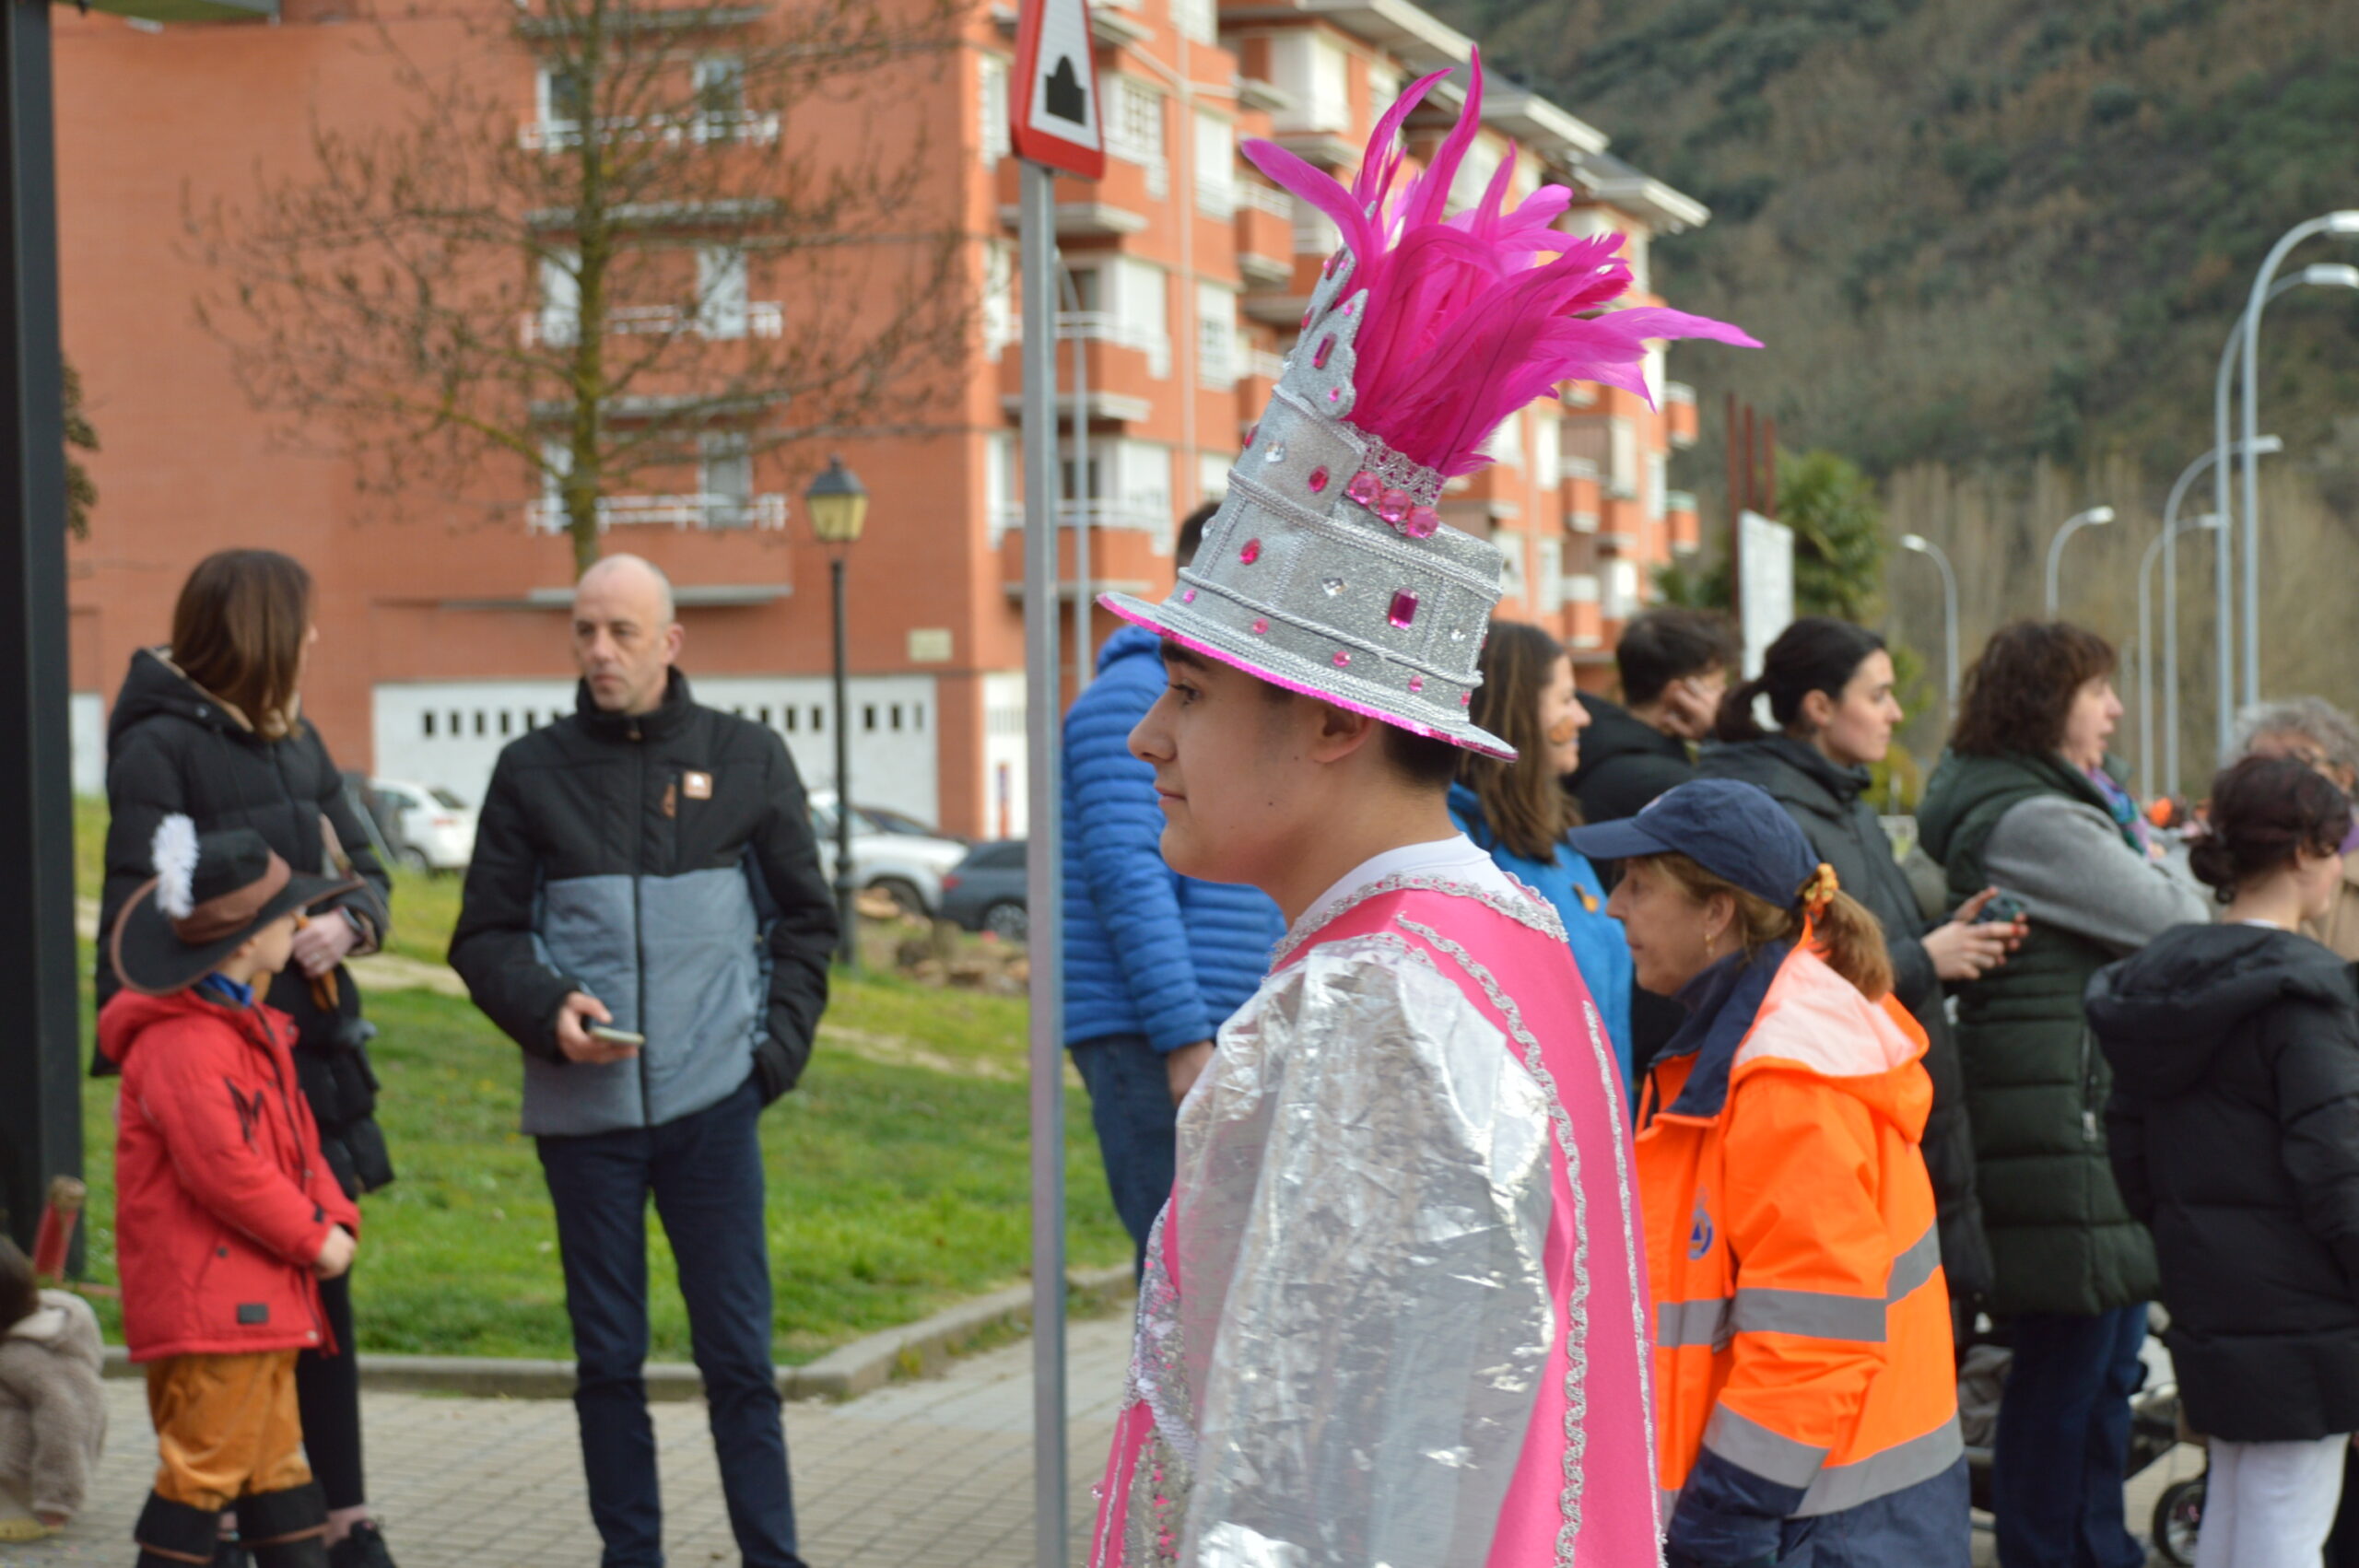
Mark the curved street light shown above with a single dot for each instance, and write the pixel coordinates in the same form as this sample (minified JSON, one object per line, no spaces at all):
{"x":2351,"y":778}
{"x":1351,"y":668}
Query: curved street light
{"x":2073,"y":524}
{"x":2161,"y":546}
{"x":1921,"y":545}
{"x":2218,"y":521}
{"x":2244,"y":344}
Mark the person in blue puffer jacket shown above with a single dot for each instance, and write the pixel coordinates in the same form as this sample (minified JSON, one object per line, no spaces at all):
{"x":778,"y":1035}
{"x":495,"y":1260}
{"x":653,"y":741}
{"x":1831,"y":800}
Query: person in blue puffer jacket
{"x":1155,"y":962}
{"x":1519,"y":812}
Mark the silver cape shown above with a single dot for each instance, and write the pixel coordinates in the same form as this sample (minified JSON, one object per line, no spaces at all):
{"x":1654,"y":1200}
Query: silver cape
{"x":1346,"y":1376}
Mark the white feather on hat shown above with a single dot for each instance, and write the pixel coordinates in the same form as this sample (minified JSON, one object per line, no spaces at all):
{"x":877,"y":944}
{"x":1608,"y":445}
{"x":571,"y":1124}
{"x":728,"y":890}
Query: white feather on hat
{"x":174,"y":852}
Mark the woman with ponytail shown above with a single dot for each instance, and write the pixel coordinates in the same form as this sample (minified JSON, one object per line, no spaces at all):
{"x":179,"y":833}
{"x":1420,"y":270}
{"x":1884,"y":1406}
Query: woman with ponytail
{"x":1829,"y":687}
{"x":1805,"y":1390}
{"x":1517,"y":812}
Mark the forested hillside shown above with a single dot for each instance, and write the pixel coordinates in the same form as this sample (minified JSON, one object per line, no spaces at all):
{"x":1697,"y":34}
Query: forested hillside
{"x":1981,"y":228}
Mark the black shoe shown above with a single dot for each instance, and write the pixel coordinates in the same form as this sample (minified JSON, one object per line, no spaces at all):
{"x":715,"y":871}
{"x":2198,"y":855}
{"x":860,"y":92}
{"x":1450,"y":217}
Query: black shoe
{"x":229,"y":1554}
{"x":364,"y":1548}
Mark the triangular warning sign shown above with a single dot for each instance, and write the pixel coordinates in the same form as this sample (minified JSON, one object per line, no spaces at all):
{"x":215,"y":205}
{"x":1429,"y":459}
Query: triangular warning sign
{"x":1055,"y":108}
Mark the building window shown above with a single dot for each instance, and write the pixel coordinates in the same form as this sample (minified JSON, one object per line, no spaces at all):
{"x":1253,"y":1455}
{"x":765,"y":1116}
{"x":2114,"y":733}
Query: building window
{"x":428,"y":716}
{"x":1212,"y":475}
{"x":1315,"y":72}
{"x":1315,"y":233}
{"x":720,"y":82}
{"x":1622,"y":476}
{"x":1505,"y":443}
{"x":1511,"y":578}
{"x":868,"y":718}
{"x":1552,"y":576}
{"x":1383,"y":86}
{"x":1193,"y":19}
{"x":1482,"y":161}
{"x":564,"y":104}
{"x":1215,"y":336}
{"x":1619,"y":600}
{"x":999,"y":323}
{"x":725,"y":479}
{"x":560,"y":297}
{"x":1216,"y":167}
{"x":720,"y":292}
{"x":1134,"y":131}
{"x":994,"y":128}
{"x":1547,"y":450}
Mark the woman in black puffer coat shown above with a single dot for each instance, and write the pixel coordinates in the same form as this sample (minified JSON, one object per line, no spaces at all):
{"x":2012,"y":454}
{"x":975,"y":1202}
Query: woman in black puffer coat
{"x":211,"y":728}
{"x":2233,"y":1131}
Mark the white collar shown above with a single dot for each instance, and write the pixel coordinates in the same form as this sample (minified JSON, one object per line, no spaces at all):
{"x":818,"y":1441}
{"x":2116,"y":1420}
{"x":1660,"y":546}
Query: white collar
{"x":1456,"y":857}
{"x":45,"y":1323}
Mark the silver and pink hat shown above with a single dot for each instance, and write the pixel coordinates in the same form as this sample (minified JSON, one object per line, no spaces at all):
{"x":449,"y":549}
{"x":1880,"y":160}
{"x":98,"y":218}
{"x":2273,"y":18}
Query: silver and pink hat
{"x":1328,"y":569}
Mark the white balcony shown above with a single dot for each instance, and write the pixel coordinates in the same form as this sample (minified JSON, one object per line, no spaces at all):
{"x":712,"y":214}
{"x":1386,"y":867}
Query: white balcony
{"x":745,"y":126}
{"x":1104,"y":326}
{"x":1264,"y":198}
{"x":1679,"y":501}
{"x":1268,"y":365}
{"x":700,"y":511}
{"x":765,"y":318}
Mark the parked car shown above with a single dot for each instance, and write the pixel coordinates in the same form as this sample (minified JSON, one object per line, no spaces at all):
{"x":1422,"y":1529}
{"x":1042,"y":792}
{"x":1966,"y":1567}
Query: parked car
{"x":985,"y":892}
{"x":906,"y":867}
{"x":886,"y":819}
{"x":433,"y":830}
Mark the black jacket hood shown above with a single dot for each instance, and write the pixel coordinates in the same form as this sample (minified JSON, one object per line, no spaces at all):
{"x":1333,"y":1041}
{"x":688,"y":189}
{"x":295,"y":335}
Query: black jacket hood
{"x":1613,"y":733}
{"x":153,"y":686}
{"x":2162,"y":1013}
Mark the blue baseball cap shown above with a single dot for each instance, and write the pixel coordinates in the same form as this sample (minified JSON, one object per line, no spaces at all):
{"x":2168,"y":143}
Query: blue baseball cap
{"x":1735,"y":831}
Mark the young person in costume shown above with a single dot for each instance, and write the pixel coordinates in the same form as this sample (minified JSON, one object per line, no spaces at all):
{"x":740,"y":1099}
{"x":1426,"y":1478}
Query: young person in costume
{"x":1806,"y":1395}
{"x":1393,"y":1311}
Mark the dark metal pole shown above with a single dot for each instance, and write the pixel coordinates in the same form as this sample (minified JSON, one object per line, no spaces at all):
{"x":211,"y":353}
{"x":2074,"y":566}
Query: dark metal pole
{"x":41,"y":1126}
{"x":847,"y":916}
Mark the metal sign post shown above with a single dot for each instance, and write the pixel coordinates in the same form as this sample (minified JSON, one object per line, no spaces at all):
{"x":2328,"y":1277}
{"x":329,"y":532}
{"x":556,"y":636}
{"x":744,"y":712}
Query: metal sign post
{"x":1056,"y":125}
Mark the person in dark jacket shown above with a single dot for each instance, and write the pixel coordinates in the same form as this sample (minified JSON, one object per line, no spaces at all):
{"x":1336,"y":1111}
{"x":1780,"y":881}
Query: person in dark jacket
{"x":2023,"y":803}
{"x":644,"y":916}
{"x":1155,"y":962}
{"x":1674,"y":666}
{"x":211,"y":727}
{"x":2234,"y":1127}
{"x":1829,"y":688}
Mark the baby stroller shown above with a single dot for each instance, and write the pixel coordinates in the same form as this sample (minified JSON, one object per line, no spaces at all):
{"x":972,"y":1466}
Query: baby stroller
{"x":2155,"y":1430}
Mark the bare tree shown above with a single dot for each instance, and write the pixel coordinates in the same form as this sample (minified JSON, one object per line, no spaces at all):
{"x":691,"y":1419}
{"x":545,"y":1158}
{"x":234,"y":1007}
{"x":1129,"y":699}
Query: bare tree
{"x":713,"y":232}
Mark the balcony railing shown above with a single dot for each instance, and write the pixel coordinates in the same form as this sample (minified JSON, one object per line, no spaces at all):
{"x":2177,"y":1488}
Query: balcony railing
{"x":1264,"y":198}
{"x":1104,"y":326}
{"x":702,"y":511}
{"x":1678,"y":501}
{"x":1267,"y":366}
{"x":1216,"y":198}
{"x":765,"y":318}
{"x":745,"y":125}
{"x":1678,"y":391}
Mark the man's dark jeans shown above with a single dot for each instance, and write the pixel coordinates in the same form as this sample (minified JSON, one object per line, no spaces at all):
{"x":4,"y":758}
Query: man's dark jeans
{"x":705,"y":1173}
{"x":2063,"y":1441}
{"x":1130,"y":1104}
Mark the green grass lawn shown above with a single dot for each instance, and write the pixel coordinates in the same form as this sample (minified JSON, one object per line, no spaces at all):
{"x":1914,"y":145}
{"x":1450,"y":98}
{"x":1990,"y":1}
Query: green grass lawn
{"x":898,"y":1171}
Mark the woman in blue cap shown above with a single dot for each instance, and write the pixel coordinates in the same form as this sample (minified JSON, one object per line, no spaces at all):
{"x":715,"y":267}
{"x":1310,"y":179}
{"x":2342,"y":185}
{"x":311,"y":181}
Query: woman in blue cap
{"x":1806,"y":1391}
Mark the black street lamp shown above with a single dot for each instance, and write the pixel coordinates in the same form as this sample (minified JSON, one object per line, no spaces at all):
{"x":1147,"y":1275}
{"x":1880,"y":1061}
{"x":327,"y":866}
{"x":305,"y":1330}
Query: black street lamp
{"x":839,"y":509}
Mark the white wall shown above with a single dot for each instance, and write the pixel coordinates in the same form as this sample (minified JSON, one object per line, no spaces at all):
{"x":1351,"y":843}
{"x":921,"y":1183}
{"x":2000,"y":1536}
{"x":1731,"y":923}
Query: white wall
{"x":895,"y":760}
{"x":1005,"y":759}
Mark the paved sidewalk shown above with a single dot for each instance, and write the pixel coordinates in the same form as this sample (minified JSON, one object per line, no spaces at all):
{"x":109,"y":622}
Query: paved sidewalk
{"x":929,"y":1474}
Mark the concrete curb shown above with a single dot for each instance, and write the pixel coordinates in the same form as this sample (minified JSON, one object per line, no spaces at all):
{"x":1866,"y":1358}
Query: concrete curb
{"x":845,"y":1373}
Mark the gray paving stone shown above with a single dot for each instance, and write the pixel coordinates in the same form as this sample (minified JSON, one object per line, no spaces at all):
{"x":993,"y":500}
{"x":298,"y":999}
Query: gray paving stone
{"x":934,"y":1473}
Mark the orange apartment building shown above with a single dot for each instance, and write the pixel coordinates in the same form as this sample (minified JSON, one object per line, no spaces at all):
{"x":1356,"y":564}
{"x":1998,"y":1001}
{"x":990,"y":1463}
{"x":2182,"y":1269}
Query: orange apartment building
{"x":442,"y":636}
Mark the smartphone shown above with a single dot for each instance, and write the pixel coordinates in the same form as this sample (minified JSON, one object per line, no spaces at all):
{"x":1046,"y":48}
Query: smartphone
{"x":608,"y":1035}
{"x":2004,"y":909}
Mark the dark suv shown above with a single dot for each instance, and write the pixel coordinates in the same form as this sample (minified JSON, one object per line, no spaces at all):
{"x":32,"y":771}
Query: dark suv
{"x":985,"y":891}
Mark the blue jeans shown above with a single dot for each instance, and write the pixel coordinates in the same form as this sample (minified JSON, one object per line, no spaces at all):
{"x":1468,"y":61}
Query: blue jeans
{"x":705,"y":1173}
{"x":2062,"y":1446}
{"x":1130,"y":1104}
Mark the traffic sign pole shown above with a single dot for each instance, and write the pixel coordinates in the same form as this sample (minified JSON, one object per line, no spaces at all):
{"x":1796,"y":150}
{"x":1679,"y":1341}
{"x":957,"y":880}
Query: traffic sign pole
{"x":1043,"y":861}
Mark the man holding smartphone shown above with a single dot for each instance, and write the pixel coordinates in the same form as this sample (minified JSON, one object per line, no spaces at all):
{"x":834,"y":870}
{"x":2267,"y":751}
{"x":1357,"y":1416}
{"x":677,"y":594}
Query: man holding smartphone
{"x":645,"y":917}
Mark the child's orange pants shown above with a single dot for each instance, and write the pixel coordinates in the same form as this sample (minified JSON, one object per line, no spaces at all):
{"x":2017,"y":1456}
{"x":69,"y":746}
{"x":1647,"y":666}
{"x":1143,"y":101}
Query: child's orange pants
{"x":225,"y":1426}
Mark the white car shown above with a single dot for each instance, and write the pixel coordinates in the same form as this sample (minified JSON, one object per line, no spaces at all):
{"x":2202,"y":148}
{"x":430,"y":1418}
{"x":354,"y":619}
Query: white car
{"x":887,"y":856}
{"x":432,"y":829}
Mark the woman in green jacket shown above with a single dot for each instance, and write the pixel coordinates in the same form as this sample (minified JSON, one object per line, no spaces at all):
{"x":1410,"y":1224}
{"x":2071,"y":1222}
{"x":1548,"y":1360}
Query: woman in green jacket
{"x":2025,"y":803}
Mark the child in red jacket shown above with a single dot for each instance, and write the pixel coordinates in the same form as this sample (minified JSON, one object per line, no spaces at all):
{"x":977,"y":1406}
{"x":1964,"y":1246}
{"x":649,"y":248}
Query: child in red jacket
{"x":226,"y":1213}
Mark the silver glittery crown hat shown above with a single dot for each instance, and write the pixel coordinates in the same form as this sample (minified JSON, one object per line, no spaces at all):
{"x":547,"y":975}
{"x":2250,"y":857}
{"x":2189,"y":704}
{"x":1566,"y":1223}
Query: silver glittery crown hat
{"x":1328,"y":569}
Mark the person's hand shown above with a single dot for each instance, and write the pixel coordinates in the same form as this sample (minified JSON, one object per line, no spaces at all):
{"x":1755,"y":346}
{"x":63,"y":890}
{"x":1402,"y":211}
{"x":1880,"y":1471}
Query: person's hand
{"x":574,"y":1016}
{"x":1964,"y":950}
{"x":1690,"y":707}
{"x":1183,"y":1065}
{"x":335,"y":1255}
{"x":322,"y":944}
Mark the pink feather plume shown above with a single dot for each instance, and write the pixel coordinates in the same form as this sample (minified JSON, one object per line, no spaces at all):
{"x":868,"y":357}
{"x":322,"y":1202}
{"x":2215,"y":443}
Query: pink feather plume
{"x":1470,"y":318}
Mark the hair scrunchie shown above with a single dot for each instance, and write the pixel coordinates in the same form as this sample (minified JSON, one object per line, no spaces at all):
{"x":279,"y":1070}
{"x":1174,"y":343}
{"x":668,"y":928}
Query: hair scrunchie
{"x":1820,"y":890}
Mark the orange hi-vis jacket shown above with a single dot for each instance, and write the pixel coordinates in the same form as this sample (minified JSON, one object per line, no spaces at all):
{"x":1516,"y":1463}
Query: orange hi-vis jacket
{"x":1804,"y":1363}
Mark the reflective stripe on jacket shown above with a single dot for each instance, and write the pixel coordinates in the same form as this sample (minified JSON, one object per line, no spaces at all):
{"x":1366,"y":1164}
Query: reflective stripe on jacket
{"x":1803,"y":1329}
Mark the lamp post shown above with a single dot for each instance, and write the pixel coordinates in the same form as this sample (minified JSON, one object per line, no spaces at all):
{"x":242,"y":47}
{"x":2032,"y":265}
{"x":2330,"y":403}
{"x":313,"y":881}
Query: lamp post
{"x":838,"y":508}
{"x":2072,"y":525}
{"x":2146,"y":705}
{"x":2342,"y":225}
{"x":1926,"y":547}
{"x":2170,"y":591}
